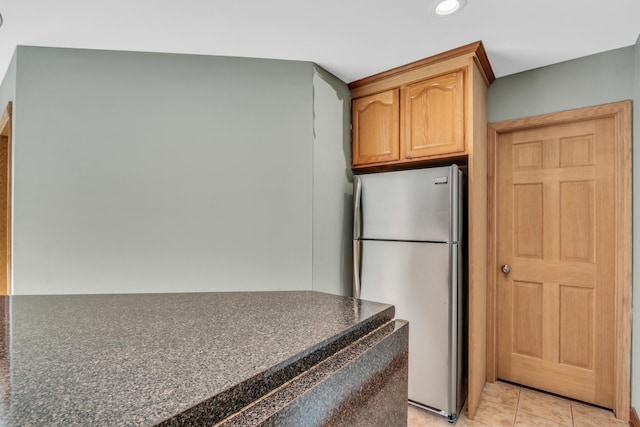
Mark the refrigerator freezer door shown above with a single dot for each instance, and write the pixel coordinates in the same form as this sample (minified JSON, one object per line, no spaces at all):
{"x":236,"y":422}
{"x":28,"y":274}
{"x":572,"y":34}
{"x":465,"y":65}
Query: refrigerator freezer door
{"x":414,"y":205}
{"x":415,"y":277}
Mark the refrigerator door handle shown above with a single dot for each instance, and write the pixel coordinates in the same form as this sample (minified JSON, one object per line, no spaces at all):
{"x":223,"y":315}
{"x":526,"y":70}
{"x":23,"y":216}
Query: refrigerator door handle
{"x":454,"y":332}
{"x":357,"y":267}
{"x":357,"y":207}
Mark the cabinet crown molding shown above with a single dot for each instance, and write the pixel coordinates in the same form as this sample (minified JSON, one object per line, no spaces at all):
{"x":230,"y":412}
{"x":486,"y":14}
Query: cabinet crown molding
{"x":476,"y":50}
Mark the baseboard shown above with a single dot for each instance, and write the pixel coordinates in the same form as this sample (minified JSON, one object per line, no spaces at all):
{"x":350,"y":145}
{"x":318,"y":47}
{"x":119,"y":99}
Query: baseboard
{"x":634,"y":421}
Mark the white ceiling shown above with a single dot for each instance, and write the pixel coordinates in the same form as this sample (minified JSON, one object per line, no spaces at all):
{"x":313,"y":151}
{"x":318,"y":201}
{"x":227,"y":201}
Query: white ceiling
{"x":350,"y":38}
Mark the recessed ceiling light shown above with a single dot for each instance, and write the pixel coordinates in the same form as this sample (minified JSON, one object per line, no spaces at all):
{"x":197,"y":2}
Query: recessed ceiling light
{"x":449,"y":7}
{"x":0,"y":20}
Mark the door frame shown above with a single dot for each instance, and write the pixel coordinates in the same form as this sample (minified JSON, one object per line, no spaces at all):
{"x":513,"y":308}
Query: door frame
{"x":621,"y":112}
{"x":5,"y":137}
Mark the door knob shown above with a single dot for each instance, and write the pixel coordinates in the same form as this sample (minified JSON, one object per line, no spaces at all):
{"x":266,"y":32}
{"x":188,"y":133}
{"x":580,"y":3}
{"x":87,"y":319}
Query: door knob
{"x":506,"y":268}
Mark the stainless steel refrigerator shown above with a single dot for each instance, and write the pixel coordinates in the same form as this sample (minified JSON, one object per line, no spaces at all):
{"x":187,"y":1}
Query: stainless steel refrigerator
{"x":408,"y":251}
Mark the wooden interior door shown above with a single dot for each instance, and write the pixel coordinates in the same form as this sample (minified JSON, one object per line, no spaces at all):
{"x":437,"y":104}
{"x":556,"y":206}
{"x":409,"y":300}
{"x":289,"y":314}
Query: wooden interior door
{"x":557,"y":206}
{"x":5,"y":201}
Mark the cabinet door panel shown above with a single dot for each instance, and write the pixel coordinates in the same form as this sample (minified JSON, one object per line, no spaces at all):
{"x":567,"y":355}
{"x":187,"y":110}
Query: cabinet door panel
{"x":433,"y":116}
{"x":376,"y":128}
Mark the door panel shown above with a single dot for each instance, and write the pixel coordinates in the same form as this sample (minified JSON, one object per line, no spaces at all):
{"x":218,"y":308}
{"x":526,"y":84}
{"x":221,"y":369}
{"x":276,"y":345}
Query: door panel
{"x":577,"y":306}
{"x":433,"y":116}
{"x":376,"y":128}
{"x":528,"y":203}
{"x":555,"y":308}
{"x":527,"y":326}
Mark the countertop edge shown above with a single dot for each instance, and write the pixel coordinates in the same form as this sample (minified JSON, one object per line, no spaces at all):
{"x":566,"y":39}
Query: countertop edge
{"x":228,"y":402}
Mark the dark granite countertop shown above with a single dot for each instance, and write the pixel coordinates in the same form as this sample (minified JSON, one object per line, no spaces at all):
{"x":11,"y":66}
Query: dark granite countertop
{"x":164,"y":359}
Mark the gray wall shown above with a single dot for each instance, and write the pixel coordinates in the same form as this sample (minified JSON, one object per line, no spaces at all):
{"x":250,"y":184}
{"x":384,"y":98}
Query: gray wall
{"x":332,"y":185}
{"x":139,"y":172}
{"x":597,"y":79}
{"x":635,"y":340}
{"x":592,"y":80}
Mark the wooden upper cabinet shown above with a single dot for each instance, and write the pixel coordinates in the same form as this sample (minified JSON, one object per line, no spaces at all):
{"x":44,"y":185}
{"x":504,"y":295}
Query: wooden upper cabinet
{"x":432,"y":101}
{"x":376,"y":128}
{"x":433,"y":116}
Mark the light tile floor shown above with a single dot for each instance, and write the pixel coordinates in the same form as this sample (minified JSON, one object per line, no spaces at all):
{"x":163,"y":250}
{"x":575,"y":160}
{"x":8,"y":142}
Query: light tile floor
{"x":506,"y":405}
